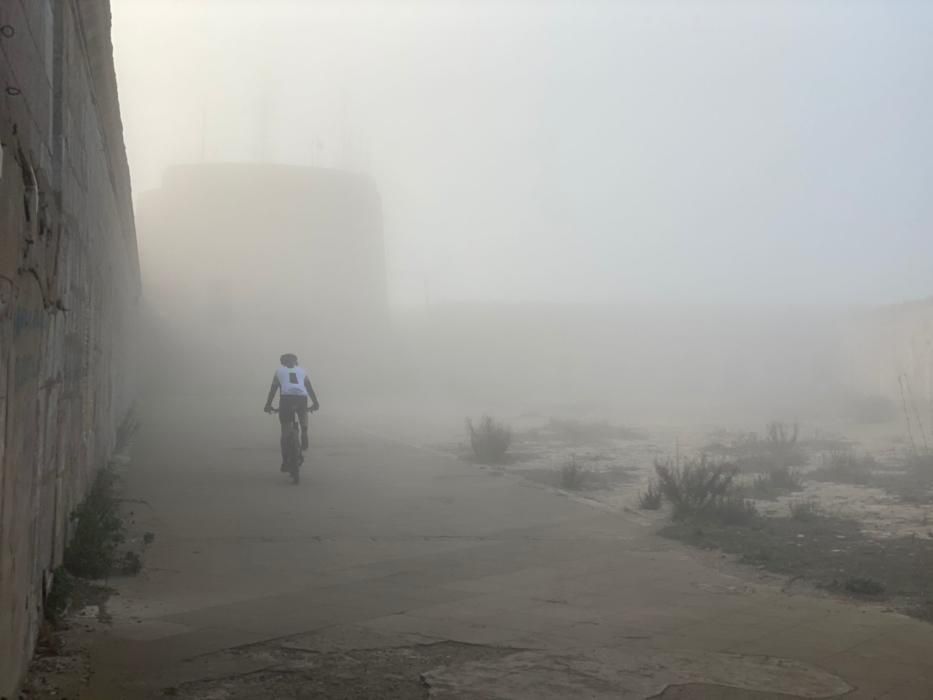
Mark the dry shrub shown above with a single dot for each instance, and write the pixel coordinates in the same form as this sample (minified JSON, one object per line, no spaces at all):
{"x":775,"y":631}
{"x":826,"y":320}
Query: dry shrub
{"x":573,"y":477}
{"x":778,"y":450}
{"x":702,"y":488}
{"x":490,"y":440}
{"x":846,"y":467}
{"x":651,"y":498}
{"x":805,"y":511}
{"x":776,"y":483}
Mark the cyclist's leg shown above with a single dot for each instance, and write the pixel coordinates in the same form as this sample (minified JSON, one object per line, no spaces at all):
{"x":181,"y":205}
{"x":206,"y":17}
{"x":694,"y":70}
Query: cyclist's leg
{"x":303,"y":422}
{"x":286,"y":413}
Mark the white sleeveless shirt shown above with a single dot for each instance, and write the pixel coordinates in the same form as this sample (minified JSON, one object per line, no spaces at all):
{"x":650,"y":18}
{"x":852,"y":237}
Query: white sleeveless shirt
{"x":292,"y":381}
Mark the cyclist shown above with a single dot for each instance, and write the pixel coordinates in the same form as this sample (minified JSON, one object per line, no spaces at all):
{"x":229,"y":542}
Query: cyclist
{"x":295,"y":389}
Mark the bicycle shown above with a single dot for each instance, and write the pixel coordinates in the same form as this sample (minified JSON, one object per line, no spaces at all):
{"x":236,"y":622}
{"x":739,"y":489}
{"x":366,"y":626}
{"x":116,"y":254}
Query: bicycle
{"x":292,"y":458}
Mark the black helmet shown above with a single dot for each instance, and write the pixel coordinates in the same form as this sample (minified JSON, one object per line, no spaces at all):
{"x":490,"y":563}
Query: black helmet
{"x":284,"y":359}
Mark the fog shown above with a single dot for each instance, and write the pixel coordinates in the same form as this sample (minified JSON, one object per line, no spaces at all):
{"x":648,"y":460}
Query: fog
{"x":643,"y":211}
{"x":619,"y":321}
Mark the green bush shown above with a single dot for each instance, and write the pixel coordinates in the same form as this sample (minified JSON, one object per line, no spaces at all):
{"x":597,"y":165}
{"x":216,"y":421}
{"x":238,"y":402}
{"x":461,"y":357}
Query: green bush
{"x":59,"y":596}
{"x":98,"y":530}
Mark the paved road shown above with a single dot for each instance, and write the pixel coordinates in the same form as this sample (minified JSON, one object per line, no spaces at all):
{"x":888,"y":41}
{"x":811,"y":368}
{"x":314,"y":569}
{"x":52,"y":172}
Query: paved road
{"x":392,"y":571}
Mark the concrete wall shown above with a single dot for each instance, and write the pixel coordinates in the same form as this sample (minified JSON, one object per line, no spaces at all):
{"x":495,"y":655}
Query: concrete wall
{"x":69,"y":291}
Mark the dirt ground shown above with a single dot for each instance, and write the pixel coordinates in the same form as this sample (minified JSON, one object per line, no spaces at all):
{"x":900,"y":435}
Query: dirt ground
{"x":871,"y":540}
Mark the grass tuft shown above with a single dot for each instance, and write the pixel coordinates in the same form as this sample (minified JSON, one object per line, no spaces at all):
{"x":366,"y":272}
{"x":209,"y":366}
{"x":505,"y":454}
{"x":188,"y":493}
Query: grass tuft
{"x":490,"y":440}
{"x":573,"y":477}
{"x":651,"y":498}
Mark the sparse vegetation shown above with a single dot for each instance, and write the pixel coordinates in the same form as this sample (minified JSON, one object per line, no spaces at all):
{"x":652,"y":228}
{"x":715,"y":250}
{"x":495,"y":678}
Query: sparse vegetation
{"x":490,"y":440}
{"x":59,"y":595}
{"x":782,"y":443}
{"x":845,"y":467}
{"x":807,"y":510}
{"x":830,"y":552}
{"x":703,"y":489}
{"x":98,"y":530}
{"x":859,"y":585}
{"x":650,"y":498}
{"x":753,"y":454}
{"x":573,"y":477}
{"x":913,"y":483}
{"x":776,"y":482}
{"x":92,"y":552}
{"x":130,"y":564}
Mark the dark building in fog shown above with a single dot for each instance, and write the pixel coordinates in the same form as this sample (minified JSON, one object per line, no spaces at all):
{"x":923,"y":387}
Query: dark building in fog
{"x":249,"y":260}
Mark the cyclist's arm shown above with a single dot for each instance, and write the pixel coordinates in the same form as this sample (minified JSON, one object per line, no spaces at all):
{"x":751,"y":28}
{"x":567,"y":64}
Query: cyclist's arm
{"x":314,"y":404}
{"x":272,"y":389}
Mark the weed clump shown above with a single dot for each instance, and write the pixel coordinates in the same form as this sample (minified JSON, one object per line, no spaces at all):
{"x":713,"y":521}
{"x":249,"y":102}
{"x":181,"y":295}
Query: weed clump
{"x":913,"y":483}
{"x":59,"y":595}
{"x":650,"y":498}
{"x":805,"y":511}
{"x":490,"y":440}
{"x":846,"y":467}
{"x":98,"y":530}
{"x":861,"y":585}
{"x":782,"y":444}
{"x":779,"y":449}
{"x":703,"y":489}
{"x":776,"y":483}
{"x":573,"y":477}
{"x":130,"y":564}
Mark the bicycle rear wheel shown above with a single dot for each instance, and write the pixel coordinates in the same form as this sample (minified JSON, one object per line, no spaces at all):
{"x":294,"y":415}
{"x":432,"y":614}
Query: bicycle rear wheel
{"x":293,"y":454}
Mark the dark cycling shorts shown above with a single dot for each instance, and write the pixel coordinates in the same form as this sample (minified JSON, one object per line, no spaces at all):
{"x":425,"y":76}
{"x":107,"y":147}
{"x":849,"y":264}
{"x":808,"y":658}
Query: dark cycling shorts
{"x":289,"y":406}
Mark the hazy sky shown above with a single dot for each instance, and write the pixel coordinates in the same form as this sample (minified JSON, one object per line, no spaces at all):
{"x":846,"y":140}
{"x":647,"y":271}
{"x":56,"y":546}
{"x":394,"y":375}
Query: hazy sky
{"x":583,"y":151}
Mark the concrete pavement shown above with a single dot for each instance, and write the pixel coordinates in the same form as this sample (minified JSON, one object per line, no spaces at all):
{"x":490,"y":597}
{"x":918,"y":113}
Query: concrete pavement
{"x":392,"y":571}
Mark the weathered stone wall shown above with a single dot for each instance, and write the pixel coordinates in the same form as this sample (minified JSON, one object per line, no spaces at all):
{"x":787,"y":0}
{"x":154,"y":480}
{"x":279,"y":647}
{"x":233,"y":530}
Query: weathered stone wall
{"x":69,"y":291}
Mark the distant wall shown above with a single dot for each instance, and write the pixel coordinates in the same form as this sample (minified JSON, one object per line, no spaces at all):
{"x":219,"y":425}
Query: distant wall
{"x":891,"y":347}
{"x":638,"y":363}
{"x":69,"y":291}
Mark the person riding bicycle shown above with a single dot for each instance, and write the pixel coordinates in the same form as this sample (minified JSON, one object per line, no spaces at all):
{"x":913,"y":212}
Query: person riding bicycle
{"x":295,"y":389}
